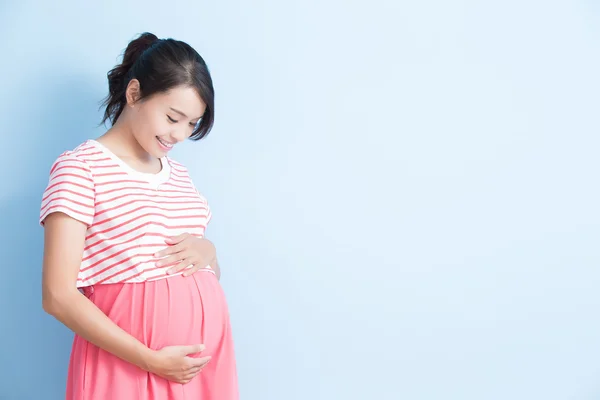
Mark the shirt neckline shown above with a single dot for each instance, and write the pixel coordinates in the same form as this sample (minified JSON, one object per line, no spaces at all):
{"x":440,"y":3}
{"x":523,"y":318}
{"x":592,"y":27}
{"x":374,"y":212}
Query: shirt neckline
{"x":155,"y":179}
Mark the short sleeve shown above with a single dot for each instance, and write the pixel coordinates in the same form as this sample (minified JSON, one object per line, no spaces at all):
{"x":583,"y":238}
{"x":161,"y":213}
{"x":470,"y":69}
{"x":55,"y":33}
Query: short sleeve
{"x":70,"y":190}
{"x":208,"y":213}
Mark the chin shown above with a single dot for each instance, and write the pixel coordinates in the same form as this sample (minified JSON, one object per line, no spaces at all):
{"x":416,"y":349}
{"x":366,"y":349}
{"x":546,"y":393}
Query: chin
{"x":154,"y":148}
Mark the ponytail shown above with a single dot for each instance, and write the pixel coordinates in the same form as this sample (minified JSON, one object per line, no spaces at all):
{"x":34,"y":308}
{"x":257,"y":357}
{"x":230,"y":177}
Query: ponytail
{"x":120,"y":76}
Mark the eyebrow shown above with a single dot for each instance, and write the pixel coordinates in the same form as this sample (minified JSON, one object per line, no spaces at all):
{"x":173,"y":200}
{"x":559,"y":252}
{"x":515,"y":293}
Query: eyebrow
{"x":182,"y":114}
{"x":179,"y":112}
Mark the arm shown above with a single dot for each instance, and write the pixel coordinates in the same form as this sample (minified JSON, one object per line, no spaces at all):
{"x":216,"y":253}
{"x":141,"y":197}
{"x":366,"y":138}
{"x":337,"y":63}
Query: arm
{"x":67,"y":210}
{"x":63,"y":246}
{"x":64,"y":240}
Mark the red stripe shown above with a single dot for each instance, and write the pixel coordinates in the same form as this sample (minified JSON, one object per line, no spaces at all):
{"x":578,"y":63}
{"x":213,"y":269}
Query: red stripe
{"x":60,"y":166}
{"x":126,"y":270}
{"x":68,"y":200}
{"x":181,"y":180}
{"x":141,"y":226}
{"x":192,"y":196}
{"x":120,"y":181}
{"x":48,"y":194}
{"x":145,"y":200}
{"x":149,"y":234}
{"x":115,"y":217}
{"x":112,"y":174}
{"x":175,"y":166}
{"x":106,"y":166}
{"x":118,"y":236}
{"x":189,"y":186}
{"x":149,"y":190}
{"x":122,"y":224}
{"x":99,"y":159}
{"x":180,"y":177}
{"x":90,"y":154}
{"x":108,"y":248}
{"x":60,"y":206}
{"x":119,"y":263}
{"x":162,"y":198}
{"x":85,"y":178}
{"x":85,"y":147}
{"x":113,"y":255}
{"x":136,"y":274}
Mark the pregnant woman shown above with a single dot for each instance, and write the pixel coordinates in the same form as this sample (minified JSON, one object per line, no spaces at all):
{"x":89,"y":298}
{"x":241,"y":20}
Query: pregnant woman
{"x":126,"y":264}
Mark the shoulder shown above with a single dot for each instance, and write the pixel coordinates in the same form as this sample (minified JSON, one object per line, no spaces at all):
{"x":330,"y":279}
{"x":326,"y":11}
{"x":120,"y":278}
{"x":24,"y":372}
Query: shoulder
{"x":180,"y":173}
{"x":77,"y":160}
{"x":80,"y":154}
{"x":176,"y":164}
{"x":178,"y":168}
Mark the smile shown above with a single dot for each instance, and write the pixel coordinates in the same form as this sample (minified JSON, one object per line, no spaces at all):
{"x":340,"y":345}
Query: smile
{"x":165,"y":144}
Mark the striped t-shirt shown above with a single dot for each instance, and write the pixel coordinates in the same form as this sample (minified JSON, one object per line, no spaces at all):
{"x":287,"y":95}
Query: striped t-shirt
{"x":129,"y":214}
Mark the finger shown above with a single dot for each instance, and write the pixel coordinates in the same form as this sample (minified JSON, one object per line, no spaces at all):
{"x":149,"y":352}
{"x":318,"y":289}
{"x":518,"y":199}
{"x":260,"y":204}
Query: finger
{"x":189,"y":377}
{"x":170,"y":250}
{"x":197,"y":267}
{"x":193,"y":371}
{"x":192,"y":270}
{"x":182,"y":265}
{"x":172,"y":259}
{"x":177,"y":239}
{"x":193,"y":349}
{"x":200,"y":362}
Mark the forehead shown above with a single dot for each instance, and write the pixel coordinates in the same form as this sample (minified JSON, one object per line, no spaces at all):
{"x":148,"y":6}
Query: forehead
{"x":182,"y":98}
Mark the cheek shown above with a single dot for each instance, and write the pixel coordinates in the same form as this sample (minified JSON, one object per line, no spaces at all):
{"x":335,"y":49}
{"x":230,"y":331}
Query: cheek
{"x":150,"y":125}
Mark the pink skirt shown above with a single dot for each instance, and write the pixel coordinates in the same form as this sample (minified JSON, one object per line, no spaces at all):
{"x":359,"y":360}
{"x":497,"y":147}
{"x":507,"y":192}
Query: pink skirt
{"x":173,"y":311}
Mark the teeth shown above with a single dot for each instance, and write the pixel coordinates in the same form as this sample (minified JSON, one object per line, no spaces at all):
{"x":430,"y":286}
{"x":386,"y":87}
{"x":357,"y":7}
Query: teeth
{"x":165,"y":143}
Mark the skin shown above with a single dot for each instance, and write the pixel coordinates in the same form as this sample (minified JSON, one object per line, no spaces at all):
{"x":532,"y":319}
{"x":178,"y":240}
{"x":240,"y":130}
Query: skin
{"x":133,"y":138}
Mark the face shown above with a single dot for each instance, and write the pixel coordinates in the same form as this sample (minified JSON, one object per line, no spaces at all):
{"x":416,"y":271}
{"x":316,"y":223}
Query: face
{"x":162,"y":120}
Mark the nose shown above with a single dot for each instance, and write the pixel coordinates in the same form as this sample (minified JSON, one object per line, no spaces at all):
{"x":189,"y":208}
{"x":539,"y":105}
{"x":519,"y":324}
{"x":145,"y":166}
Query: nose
{"x":178,"y":135}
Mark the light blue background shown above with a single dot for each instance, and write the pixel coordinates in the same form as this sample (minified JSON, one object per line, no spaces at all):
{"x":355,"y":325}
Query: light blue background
{"x":405,"y":192}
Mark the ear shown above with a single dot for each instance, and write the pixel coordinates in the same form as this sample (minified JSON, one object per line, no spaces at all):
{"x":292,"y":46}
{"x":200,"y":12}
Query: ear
{"x":133,"y":92}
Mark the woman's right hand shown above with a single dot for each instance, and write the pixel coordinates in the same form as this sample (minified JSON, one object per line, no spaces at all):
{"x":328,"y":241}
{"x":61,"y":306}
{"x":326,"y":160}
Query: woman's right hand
{"x":175,"y":364}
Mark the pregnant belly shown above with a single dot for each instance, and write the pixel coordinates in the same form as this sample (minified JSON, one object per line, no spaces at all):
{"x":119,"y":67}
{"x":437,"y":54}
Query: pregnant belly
{"x":172,"y":311}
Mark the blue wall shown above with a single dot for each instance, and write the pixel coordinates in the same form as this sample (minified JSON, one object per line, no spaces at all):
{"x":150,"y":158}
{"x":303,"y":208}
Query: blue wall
{"x":405,"y":193}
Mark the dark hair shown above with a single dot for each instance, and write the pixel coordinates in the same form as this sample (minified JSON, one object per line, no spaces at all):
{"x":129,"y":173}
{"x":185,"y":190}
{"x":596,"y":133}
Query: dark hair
{"x":160,"y":65}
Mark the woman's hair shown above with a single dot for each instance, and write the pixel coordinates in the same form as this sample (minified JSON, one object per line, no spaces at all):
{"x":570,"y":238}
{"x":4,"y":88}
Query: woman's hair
{"x":160,"y":65}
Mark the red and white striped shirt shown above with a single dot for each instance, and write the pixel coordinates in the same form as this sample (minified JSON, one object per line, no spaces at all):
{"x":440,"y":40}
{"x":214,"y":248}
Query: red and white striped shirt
{"x":129,"y":214}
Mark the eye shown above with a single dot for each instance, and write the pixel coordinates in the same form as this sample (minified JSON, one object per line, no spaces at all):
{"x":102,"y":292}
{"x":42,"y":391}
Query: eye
{"x":171,"y":120}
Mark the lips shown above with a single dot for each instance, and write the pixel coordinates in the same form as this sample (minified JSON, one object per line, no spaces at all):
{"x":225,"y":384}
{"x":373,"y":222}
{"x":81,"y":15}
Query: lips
{"x":166,"y":145}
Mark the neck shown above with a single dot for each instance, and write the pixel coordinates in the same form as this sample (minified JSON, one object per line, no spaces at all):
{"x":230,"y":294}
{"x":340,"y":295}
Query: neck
{"x":121,"y":141}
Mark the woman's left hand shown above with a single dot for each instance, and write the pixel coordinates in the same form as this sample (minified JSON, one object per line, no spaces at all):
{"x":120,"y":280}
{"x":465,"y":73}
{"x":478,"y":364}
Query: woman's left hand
{"x":187,"y":250}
